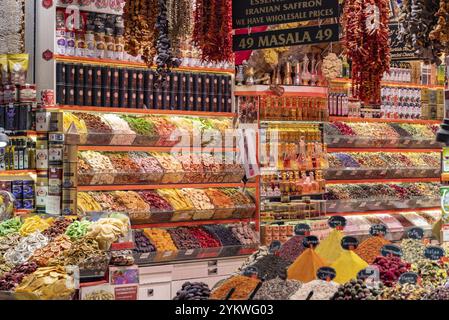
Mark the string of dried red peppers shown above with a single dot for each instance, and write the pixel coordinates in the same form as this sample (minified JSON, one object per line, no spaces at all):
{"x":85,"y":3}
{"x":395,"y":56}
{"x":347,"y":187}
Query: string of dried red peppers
{"x":212,"y":31}
{"x":366,"y":41}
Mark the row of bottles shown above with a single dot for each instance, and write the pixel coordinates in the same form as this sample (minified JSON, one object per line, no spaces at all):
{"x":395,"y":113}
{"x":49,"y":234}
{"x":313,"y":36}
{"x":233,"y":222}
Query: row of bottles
{"x":294,"y":155}
{"x":295,"y":108}
{"x":19,"y":154}
{"x":298,"y":73}
{"x":293,"y":183}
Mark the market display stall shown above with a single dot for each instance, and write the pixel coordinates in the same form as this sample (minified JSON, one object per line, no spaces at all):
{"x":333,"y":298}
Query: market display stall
{"x":186,"y":150}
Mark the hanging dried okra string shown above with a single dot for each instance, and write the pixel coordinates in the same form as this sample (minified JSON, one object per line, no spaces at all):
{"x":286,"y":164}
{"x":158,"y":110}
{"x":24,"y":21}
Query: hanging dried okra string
{"x":179,"y":22}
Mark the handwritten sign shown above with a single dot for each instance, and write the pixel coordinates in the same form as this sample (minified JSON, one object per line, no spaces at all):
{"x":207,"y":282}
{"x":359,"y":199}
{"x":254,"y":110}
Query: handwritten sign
{"x":310,"y":242}
{"x":408,"y":277}
{"x":416,"y":233}
{"x":326,"y":273}
{"x":302,"y":229}
{"x":434,"y":253}
{"x":391,"y":249}
{"x":337,"y":222}
{"x":378,"y":230}
{"x":349,"y":243}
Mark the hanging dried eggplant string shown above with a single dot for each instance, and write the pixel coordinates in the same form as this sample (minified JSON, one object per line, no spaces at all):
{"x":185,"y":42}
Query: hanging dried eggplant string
{"x":366,"y":42}
{"x":212,"y":32}
{"x":179,"y":22}
{"x":140,"y":18}
{"x":417,"y":19}
{"x":164,"y":60}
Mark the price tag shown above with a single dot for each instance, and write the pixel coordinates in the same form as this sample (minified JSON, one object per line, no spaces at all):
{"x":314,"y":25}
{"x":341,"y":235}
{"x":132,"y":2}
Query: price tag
{"x":332,"y":205}
{"x":349,"y":243}
{"x":407,"y":141}
{"x":337,"y":222}
{"x":370,"y":272}
{"x":416,"y":233}
{"x":326,"y":274}
{"x":369,"y":172}
{"x":384,"y":172}
{"x":275,"y":246}
{"x":167,"y":254}
{"x":250,"y":271}
{"x":302,"y":229}
{"x":310,"y":242}
{"x":434,"y":253}
{"x":353,"y":173}
{"x":378,"y":230}
{"x":408,"y":277}
{"x":362,"y":205}
{"x":336,"y":140}
{"x":144,"y":255}
{"x":391,"y":249}
{"x":189,"y":252}
{"x":339,"y":173}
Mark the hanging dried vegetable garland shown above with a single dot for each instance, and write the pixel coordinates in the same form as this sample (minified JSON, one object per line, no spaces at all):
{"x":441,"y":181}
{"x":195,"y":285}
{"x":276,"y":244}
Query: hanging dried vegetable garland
{"x":164,"y":60}
{"x":180,"y":17}
{"x":366,"y":41}
{"x":212,"y":32}
{"x":140,"y":33}
{"x":441,"y":31}
{"x":418,"y":20}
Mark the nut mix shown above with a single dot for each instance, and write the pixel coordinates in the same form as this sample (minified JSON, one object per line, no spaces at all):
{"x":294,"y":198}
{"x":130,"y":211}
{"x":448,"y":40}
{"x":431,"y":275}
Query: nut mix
{"x":357,"y":290}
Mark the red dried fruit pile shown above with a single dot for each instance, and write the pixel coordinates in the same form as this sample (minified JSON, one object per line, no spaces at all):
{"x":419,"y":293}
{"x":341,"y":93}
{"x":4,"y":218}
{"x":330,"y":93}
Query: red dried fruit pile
{"x":390,"y":269}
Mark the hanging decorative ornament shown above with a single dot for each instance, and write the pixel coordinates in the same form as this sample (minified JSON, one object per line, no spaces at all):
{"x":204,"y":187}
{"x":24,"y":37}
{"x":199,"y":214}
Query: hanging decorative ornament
{"x":366,"y":42}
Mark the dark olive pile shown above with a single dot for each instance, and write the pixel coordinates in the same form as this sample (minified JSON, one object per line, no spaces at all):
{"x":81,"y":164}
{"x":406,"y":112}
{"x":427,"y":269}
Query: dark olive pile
{"x":193,"y":291}
{"x":271,"y":266}
{"x":357,"y":290}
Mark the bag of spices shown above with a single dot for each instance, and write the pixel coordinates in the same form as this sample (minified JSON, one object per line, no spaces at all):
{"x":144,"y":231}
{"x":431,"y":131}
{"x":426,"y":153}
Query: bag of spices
{"x":4,"y":76}
{"x":18,"y":68}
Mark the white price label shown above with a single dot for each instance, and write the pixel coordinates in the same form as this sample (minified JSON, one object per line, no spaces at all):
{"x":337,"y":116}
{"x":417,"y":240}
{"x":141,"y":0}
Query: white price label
{"x":189,"y":252}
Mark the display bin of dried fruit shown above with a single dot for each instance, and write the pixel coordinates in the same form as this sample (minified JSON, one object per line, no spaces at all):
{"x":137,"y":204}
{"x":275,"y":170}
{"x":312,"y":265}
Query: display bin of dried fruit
{"x":417,"y":221}
{"x":341,"y":141}
{"x":381,"y":173}
{"x":395,"y":231}
{"x":233,"y":173}
{"x":244,"y":211}
{"x":182,"y":215}
{"x":203,"y":215}
{"x":357,"y":227}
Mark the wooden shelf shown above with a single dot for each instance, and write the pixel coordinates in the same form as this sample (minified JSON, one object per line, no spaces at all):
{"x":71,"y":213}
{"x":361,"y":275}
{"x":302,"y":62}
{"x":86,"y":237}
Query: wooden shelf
{"x":164,"y":186}
{"x":396,"y":211}
{"x":154,"y":149}
{"x":190,"y":223}
{"x":260,"y":90}
{"x":17,"y":172}
{"x":380,"y":149}
{"x":143,"y":111}
{"x":395,"y":84}
{"x":118,"y":63}
{"x":375,"y":120}
{"x":392,"y":180}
